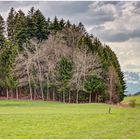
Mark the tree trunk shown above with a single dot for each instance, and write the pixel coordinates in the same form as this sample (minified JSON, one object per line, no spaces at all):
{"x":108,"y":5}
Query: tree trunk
{"x":63,"y":97}
{"x":110,"y":86}
{"x":41,"y":90}
{"x":69,"y":97}
{"x":40,"y":75}
{"x":90,"y":98}
{"x":17,"y":93}
{"x":77,"y":97}
{"x":53,"y":95}
{"x":59,"y":99}
{"x":29,"y":81}
{"x":48,"y":94}
{"x":35,"y":93}
{"x":11,"y":93}
{"x":7,"y":93}
{"x":95,"y":97}
{"x":31,"y":96}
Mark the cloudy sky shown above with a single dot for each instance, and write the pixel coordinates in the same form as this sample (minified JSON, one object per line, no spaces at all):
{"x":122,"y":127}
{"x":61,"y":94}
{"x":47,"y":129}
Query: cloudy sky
{"x":115,"y":23}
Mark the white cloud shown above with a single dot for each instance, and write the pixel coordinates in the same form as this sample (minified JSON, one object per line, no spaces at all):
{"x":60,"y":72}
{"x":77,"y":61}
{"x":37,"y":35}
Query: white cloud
{"x":133,"y":82}
{"x":128,"y":53}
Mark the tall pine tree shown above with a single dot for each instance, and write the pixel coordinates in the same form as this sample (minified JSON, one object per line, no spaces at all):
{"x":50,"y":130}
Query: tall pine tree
{"x":31,"y":27}
{"x":2,"y":31}
{"x":40,"y":26}
{"x":11,"y":24}
{"x":21,"y":35}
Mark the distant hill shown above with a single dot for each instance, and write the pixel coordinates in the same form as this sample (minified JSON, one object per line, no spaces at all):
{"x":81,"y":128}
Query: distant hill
{"x":138,"y":93}
{"x":132,"y":82}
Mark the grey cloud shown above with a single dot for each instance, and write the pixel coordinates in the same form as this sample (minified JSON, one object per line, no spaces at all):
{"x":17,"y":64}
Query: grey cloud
{"x":96,"y":19}
{"x":77,"y":12}
{"x":65,"y":8}
{"x":99,"y":13}
{"x":115,"y":36}
{"x":127,"y":16}
{"x":6,"y":5}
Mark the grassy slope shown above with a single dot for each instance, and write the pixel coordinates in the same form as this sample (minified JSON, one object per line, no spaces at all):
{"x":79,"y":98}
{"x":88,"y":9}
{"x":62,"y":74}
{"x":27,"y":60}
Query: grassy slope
{"x":137,"y":98}
{"x":38,"y":119}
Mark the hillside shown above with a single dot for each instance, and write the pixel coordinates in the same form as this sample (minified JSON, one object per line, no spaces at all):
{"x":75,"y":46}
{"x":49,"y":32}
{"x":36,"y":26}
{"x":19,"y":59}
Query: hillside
{"x":55,"y":60}
{"x":138,"y":93}
{"x":132,"y":80}
{"x":137,"y":98}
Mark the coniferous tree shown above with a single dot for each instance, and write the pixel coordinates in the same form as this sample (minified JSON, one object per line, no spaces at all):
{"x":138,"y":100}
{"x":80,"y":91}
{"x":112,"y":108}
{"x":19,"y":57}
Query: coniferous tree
{"x":11,"y":24}
{"x":68,"y":24}
{"x":81,"y":28}
{"x":7,"y":58}
{"x":41,"y":32}
{"x":48,"y":25}
{"x":55,"y":25}
{"x":62,"y":23}
{"x":2,"y":31}
{"x":31,"y":26}
{"x":94,"y":84}
{"x":21,"y":35}
{"x":64,"y":75}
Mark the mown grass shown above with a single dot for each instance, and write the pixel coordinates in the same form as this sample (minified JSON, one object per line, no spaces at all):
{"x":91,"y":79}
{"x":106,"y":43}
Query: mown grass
{"x":41,"y":119}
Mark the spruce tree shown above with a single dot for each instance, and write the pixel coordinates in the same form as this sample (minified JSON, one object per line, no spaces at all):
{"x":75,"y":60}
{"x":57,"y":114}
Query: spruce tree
{"x":81,"y":28}
{"x":7,"y":58}
{"x":64,"y":75}
{"x":40,"y":26}
{"x":55,"y":25}
{"x":31,"y":27}
{"x":2,"y":31}
{"x":62,"y":23}
{"x":21,"y":35}
{"x":68,"y":24}
{"x":11,"y":24}
{"x":48,"y":24}
{"x":94,"y":84}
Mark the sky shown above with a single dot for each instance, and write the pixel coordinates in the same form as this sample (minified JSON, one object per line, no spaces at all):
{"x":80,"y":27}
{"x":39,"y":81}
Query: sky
{"x":115,"y":23}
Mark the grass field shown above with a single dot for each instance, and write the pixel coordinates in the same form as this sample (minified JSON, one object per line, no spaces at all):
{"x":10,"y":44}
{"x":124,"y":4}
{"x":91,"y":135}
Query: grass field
{"x":41,"y":119}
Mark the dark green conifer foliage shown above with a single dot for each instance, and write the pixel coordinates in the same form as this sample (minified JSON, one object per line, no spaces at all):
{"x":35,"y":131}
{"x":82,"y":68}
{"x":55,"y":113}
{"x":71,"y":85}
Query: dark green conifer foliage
{"x":7,"y":58}
{"x":41,"y":32}
{"x":48,"y":25}
{"x":21,"y":35}
{"x":94,"y":84}
{"x":81,"y":28}
{"x":68,"y":24}
{"x":64,"y":74}
{"x":55,"y":25}
{"x":31,"y":27}
{"x":11,"y":24}
{"x":62,"y":23}
{"x":2,"y":31}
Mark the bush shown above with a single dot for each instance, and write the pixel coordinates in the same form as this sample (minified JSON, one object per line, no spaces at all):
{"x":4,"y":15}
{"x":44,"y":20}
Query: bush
{"x":132,"y":103}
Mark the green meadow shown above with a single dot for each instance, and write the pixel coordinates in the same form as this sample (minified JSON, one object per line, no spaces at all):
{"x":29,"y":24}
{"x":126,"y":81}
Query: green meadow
{"x":42,"y":119}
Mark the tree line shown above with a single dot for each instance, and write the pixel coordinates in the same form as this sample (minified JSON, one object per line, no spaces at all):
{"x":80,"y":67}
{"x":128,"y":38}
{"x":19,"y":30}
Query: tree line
{"x":55,"y":60}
